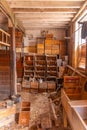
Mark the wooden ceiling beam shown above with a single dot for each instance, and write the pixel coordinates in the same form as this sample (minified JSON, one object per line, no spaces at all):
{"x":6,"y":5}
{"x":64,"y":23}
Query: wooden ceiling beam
{"x":45,"y":4}
{"x":4,"y":7}
{"x":48,"y":19}
{"x":47,"y":0}
{"x":40,"y":22}
{"x":50,"y":27}
{"x":43,"y":15}
{"x":82,"y":8}
{"x":47,"y":10}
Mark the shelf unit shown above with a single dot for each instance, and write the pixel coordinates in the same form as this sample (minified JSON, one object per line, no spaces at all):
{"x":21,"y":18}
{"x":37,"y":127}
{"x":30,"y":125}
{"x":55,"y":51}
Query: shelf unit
{"x":40,"y":67}
{"x":5,"y":76}
{"x":51,"y":67}
{"x":4,"y":38}
{"x":28,"y":66}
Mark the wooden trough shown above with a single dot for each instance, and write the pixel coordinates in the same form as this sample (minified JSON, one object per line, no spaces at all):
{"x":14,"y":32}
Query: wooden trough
{"x":74,"y":101}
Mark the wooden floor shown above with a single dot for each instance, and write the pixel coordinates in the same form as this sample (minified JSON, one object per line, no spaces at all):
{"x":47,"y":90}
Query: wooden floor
{"x":40,"y":111}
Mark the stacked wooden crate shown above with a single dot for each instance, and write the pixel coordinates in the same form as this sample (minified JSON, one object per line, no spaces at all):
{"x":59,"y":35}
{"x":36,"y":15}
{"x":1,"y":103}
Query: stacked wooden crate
{"x":55,"y":47}
{"x":48,"y":46}
{"x":18,"y":39}
{"x":4,"y":72}
{"x":40,"y":45}
{"x":72,"y":86}
{"x":32,"y":49}
{"x":52,"y":46}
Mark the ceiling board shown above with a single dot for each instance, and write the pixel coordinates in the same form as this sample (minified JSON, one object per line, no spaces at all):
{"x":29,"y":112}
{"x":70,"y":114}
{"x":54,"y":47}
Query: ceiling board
{"x":46,"y":4}
{"x":46,"y":13}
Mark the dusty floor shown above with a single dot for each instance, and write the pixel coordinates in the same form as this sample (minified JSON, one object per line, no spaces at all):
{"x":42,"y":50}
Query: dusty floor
{"x":42,"y":116}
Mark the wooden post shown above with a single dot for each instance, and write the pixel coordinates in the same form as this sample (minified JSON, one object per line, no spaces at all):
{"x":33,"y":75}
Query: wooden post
{"x":86,"y":58}
{"x":13,"y":89}
{"x":64,"y":118}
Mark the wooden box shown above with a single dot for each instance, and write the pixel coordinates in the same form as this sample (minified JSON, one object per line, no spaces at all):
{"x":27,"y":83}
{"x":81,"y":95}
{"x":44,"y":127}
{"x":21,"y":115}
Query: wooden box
{"x":25,"y":104}
{"x":43,"y":87}
{"x":24,"y":118}
{"x":34,"y":85}
{"x":24,"y":115}
{"x":71,"y":81}
{"x":49,"y":36}
{"x":51,"y":86}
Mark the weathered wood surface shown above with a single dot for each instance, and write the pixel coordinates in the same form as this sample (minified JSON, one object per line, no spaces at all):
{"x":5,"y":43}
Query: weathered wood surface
{"x":72,"y":114}
{"x":40,"y":112}
{"x":7,"y":112}
{"x":79,"y":118}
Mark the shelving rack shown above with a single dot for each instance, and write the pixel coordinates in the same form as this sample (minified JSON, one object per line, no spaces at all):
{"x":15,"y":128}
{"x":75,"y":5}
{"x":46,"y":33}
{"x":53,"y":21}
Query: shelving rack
{"x":40,"y":67}
{"x":28,"y":66}
{"x":4,"y":38}
{"x":51,"y":67}
{"x":5,"y":76}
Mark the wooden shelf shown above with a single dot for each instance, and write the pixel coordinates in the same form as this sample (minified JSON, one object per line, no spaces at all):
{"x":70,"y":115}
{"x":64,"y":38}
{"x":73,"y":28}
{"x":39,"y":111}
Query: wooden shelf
{"x":40,"y":61}
{"x":41,"y":67}
{"x":28,"y":66}
{"x":51,"y":63}
{"x":4,"y":38}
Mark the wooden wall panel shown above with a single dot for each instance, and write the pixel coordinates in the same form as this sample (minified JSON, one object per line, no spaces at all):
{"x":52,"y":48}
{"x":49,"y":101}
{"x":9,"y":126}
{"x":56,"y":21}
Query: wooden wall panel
{"x":4,"y":72}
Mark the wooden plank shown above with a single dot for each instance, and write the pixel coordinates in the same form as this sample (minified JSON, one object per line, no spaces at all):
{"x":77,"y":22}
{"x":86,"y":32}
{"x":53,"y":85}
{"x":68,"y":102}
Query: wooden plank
{"x":7,"y":11}
{"x":78,"y":120}
{"x":7,"y":112}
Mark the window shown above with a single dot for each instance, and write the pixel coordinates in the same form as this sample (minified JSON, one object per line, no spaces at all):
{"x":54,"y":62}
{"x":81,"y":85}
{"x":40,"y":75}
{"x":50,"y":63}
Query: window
{"x":80,"y":44}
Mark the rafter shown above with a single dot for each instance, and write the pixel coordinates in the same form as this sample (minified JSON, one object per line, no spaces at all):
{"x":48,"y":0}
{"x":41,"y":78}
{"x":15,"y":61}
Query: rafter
{"x":48,"y":10}
{"x":44,"y":15}
{"x":47,"y":0}
{"x":45,"y":4}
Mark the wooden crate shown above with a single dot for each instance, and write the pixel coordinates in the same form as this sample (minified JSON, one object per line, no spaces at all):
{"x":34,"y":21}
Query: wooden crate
{"x":25,"y":104}
{"x":24,"y":118}
{"x":34,"y":85}
{"x":71,"y":81}
{"x":51,"y":86}
{"x":49,"y":36}
{"x":43,"y":87}
{"x":24,"y":115}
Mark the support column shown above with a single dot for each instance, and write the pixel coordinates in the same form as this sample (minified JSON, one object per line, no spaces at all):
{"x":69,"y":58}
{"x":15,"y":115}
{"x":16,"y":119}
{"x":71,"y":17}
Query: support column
{"x":13,"y":88}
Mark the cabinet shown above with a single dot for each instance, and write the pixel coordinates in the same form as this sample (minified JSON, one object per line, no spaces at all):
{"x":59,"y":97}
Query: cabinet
{"x":28,"y":66}
{"x":40,"y":66}
{"x":51,"y":61}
